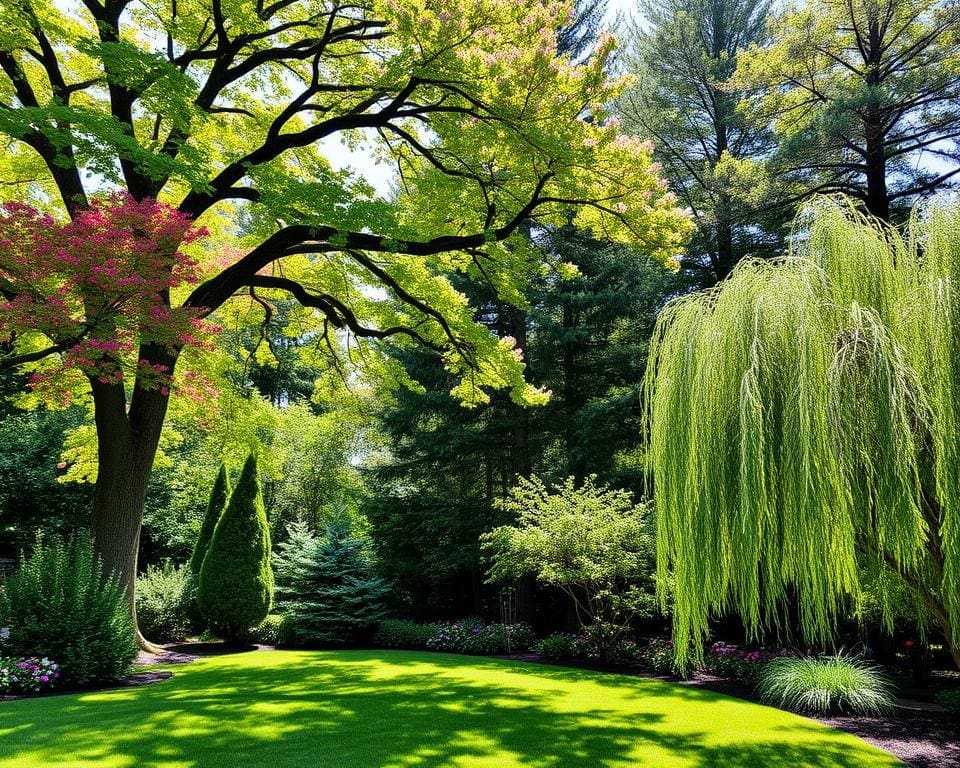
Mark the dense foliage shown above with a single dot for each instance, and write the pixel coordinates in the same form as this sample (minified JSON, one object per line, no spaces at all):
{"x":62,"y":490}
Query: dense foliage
{"x":326,"y":585}
{"x":584,"y":337}
{"x":164,"y":602}
{"x":487,"y":127}
{"x":592,"y":543}
{"x":235,"y":590}
{"x":61,"y":606}
{"x":471,"y":636}
{"x":824,"y":428}
{"x":713,"y":151}
{"x":219,"y":495}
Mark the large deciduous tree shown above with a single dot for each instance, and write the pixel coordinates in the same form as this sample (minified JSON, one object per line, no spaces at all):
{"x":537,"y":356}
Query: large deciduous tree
{"x":226,"y":112}
{"x":802,"y":419}
{"x":865,"y":97}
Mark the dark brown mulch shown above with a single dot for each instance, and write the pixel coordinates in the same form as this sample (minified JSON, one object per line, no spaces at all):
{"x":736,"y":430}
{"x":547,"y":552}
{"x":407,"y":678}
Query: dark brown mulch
{"x":183,"y":653}
{"x":920,"y":740}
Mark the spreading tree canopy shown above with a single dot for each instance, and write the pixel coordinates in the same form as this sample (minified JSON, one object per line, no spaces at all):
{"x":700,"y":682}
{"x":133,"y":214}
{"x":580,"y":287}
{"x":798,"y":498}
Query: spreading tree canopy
{"x":228,"y":112}
{"x":803,"y":419}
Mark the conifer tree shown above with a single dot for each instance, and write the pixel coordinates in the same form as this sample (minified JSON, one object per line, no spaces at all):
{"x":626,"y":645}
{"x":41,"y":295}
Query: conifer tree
{"x":327,"y":586}
{"x":236,"y":582}
{"x":218,"y":500}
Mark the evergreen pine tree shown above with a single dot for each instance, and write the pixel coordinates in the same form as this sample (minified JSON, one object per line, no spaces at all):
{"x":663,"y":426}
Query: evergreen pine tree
{"x":236,"y":582}
{"x":327,"y":587}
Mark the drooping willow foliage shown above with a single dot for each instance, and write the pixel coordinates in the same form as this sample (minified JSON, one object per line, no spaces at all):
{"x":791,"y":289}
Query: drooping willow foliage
{"x":803,"y":417}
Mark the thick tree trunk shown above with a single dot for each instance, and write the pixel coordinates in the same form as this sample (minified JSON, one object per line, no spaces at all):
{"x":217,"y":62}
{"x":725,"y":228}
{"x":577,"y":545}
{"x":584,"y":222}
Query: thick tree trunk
{"x":127,"y":442}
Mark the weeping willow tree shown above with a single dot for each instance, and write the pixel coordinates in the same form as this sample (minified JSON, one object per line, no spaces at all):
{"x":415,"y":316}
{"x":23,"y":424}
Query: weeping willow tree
{"x":802,"y":420}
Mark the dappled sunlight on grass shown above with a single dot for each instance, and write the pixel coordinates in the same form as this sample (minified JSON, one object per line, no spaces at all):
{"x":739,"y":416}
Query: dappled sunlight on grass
{"x":373,"y":709}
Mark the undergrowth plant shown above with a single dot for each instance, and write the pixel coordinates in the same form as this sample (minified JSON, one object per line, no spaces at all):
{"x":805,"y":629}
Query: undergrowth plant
{"x":826,"y":684}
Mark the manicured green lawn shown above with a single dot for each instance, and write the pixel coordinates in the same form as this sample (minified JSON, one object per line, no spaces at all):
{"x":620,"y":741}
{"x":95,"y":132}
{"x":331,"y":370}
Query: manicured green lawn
{"x":382,"y":709}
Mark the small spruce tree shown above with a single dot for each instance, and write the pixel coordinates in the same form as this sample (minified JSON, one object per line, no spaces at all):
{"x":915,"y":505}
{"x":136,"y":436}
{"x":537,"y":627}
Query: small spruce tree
{"x":236,"y":582}
{"x":327,"y":587}
{"x":218,"y":500}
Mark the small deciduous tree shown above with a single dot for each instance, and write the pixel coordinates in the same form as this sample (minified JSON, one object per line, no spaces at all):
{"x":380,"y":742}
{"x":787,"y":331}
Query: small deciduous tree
{"x":804,"y":416}
{"x":235,"y":591}
{"x":590,"y":542}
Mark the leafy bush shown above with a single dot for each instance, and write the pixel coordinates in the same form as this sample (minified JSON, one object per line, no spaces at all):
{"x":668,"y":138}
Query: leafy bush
{"x":949,"y":699}
{"x":589,"y":541}
{"x":60,"y":606}
{"x":478,"y":639}
{"x":558,"y":646}
{"x":825,"y":684}
{"x":399,"y":633}
{"x":657,"y":656}
{"x":27,"y":675}
{"x":163,"y":603}
{"x":325,"y":584}
{"x":236,"y":584}
{"x":271,"y":631}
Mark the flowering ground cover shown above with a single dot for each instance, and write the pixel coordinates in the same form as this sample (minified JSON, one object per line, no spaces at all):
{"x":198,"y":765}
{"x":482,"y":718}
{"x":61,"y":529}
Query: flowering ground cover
{"x":387,"y":709}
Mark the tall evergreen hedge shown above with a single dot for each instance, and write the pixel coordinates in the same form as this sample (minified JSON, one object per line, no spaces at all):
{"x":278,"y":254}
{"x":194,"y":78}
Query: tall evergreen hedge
{"x":236,"y":582}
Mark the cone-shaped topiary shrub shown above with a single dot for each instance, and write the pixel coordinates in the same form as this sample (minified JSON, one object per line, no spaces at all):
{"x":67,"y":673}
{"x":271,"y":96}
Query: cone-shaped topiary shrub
{"x":215,"y":506}
{"x":236,"y":583}
{"x":218,"y":500}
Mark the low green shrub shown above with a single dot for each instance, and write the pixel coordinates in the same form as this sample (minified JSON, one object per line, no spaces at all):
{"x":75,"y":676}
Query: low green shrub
{"x":656,"y":655}
{"x":400,"y":633}
{"x":825,"y":684}
{"x":558,"y":647}
{"x":740,"y":664}
{"x":949,"y":700}
{"x":590,"y":645}
{"x":469,"y":636}
{"x":60,"y":606}
{"x":270,"y":631}
{"x":163,"y":603}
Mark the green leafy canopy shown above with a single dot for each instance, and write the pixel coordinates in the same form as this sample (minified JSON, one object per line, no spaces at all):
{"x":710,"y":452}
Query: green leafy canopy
{"x":802,"y":415}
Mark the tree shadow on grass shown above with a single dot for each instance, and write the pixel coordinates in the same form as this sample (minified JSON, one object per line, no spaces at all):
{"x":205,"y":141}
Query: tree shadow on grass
{"x":393,"y":709}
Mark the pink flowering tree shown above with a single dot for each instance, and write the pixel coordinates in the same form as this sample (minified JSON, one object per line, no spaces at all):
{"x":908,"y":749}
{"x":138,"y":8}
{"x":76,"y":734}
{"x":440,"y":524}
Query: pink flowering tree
{"x":234,"y":121}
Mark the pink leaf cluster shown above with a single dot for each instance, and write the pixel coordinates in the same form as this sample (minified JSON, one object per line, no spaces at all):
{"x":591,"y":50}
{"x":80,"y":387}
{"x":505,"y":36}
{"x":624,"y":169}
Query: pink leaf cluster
{"x":98,"y":286}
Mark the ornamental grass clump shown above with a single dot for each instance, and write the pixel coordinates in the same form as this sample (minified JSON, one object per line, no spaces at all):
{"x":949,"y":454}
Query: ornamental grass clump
{"x":826,"y":684}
